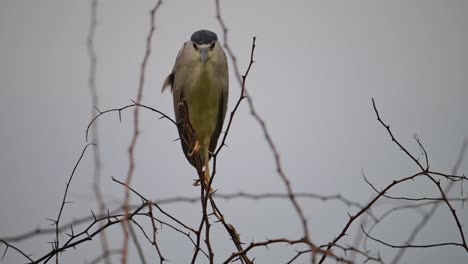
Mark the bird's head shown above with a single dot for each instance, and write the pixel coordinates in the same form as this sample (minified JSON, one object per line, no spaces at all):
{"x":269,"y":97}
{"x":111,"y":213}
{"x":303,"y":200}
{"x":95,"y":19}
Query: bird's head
{"x":205,"y":45}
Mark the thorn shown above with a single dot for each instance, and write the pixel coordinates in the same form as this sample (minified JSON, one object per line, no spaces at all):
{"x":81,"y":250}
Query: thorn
{"x":97,"y":109}
{"x":54,"y":222}
{"x":120,"y":116}
{"x":94,"y":216}
{"x":5,"y":251}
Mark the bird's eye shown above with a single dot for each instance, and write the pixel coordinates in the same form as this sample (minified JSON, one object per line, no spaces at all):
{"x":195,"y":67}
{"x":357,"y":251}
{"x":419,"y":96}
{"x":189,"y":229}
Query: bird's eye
{"x":195,"y":46}
{"x":212,"y":45}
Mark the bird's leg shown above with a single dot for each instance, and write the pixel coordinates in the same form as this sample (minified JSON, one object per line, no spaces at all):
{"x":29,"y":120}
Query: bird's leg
{"x":206,"y":146}
{"x":195,"y":148}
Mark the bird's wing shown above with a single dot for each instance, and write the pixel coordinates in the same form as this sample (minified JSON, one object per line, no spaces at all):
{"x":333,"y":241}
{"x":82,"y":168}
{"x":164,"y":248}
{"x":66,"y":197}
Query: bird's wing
{"x":169,"y":81}
{"x":186,"y":133}
{"x":219,"y":123}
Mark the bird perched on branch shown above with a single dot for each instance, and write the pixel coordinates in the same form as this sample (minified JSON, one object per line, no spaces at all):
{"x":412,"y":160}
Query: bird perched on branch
{"x":199,"y":82}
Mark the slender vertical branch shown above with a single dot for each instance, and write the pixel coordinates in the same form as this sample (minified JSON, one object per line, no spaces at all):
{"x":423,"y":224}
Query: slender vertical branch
{"x":261,"y":122}
{"x":56,"y":222}
{"x":153,"y":224}
{"x":136,"y":131}
{"x":94,"y":137}
{"x":141,"y":254}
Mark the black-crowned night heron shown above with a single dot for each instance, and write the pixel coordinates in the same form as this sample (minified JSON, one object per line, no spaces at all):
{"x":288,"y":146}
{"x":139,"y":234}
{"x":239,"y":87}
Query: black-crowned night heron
{"x":199,"y":82}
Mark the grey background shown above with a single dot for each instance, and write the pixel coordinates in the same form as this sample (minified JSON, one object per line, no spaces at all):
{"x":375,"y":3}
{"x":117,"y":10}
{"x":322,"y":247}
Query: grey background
{"x":318,"y":64}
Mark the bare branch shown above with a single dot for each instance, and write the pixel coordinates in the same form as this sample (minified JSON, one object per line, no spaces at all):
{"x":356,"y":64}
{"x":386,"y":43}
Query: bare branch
{"x":136,"y":132}
{"x":8,"y":245}
{"x":62,"y":205}
{"x":435,"y":206}
{"x":94,"y":103}
{"x":409,"y":245}
{"x":288,"y":241}
{"x":262,"y":124}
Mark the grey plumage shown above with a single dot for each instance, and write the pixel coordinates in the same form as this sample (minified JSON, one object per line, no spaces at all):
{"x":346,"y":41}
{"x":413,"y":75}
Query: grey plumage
{"x":199,"y":82}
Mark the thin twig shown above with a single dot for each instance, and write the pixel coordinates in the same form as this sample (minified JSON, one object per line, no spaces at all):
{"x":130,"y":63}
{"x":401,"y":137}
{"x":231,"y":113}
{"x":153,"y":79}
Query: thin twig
{"x":119,"y":110}
{"x":137,"y":244}
{"x":409,"y":245}
{"x":94,"y":138}
{"x":425,"y":219}
{"x":424,"y":171}
{"x":288,"y":241}
{"x":56,"y":243}
{"x":262,"y":124}
{"x":182,"y":199}
{"x":153,"y":224}
{"x":136,"y":132}
{"x":76,"y":239}
{"x":208,"y":195}
{"x":106,"y":255}
{"x":8,"y":245}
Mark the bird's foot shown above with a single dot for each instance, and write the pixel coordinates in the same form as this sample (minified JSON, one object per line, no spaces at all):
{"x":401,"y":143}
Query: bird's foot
{"x":206,"y":179}
{"x":196,"y":182}
{"x":195,"y":148}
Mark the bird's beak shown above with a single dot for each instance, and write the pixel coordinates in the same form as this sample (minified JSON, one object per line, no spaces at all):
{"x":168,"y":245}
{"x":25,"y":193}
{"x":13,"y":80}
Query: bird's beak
{"x":203,"y":54}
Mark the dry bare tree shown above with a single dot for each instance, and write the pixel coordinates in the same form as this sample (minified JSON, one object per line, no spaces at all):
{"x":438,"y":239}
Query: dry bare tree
{"x":144,"y":220}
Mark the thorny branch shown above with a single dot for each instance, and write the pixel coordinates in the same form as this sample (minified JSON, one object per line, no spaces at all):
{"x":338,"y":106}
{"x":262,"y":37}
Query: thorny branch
{"x":262,"y":124}
{"x":94,"y":138}
{"x":155,"y":230}
{"x":136,"y":132}
{"x":8,"y":245}
{"x":424,"y":172}
{"x":314,"y":249}
{"x":410,"y":245}
{"x":119,"y":111}
{"x":56,"y":222}
{"x":182,"y":199}
{"x":111,"y":219}
{"x":131,"y":214}
{"x":435,"y":206}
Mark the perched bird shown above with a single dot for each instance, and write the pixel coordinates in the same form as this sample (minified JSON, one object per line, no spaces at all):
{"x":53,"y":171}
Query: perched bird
{"x":199,"y":82}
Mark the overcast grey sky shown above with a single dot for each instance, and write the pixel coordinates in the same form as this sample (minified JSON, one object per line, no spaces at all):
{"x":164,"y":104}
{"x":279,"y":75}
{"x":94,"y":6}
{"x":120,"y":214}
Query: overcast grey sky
{"x":318,"y":64}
